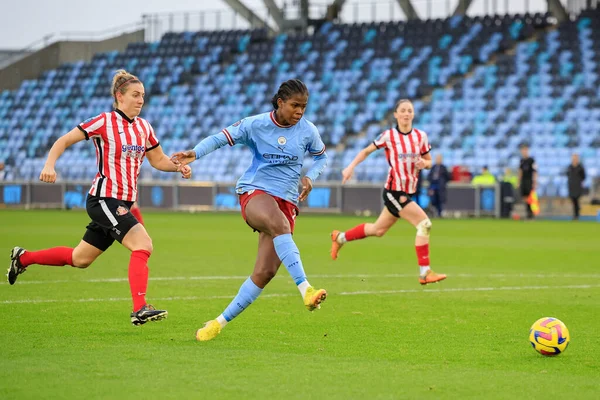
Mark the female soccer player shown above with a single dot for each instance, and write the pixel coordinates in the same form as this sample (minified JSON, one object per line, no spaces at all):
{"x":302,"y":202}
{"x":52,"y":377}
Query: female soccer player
{"x":122,"y":139}
{"x":407,"y":151}
{"x":268,"y":192}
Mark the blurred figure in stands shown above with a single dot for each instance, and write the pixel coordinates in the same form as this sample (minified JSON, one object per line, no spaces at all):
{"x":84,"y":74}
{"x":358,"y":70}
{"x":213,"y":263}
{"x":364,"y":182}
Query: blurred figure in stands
{"x":438,"y":180}
{"x":576,"y":176}
{"x":511,"y":178}
{"x":485,"y":178}
{"x":527,"y":177}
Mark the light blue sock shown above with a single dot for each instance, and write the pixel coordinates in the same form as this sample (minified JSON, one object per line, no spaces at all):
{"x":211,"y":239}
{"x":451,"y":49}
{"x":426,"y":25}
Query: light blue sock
{"x":290,"y":257}
{"x":247,"y":294}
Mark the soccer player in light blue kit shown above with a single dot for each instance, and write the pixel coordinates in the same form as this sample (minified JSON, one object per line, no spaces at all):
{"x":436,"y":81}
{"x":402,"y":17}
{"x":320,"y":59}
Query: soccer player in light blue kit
{"x":268,"y":192}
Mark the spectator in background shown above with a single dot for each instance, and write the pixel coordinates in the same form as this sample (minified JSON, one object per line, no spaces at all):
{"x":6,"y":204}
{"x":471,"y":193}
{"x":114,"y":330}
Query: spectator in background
{"x":511,"y":178}
{"x":461,"y":174}
{"x":576,"y":176}
{"x":2,"y":172}
{"x":438,"y":180}
{"x":485,"y":178}
{"x":419,"y":188}
{"x":527,"y":177}
{"x":508,"y":186}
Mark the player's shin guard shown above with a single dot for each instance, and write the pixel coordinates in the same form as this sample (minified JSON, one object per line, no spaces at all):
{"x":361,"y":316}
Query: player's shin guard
{"x":56,"y":256}
{"x":356,"y":233}
{"x":423,"y":229}
{"x":289,"y":255}
{"x":423,"y":257}
{"x":247,"y":294}
{"x":138,"y":277}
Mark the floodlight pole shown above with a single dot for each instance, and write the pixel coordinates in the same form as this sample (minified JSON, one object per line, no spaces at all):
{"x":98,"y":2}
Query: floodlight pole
{"x":408,"y":9}
{"x":249,"y":15}
{"x":462,"y":7}
{"x":556,"y":8}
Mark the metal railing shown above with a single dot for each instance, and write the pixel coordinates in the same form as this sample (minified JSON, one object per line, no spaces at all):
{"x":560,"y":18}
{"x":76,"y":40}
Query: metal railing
{"x":157,"y":24}
{"x":71,"y":36}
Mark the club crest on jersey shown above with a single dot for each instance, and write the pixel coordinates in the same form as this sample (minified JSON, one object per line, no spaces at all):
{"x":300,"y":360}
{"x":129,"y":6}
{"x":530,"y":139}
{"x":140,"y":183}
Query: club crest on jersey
{"x":121,"y":211}
{"x":281,"y":140}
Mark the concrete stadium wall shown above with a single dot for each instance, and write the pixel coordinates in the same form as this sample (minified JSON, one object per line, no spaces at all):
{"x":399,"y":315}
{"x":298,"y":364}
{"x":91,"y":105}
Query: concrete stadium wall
{"x":52,"y":56}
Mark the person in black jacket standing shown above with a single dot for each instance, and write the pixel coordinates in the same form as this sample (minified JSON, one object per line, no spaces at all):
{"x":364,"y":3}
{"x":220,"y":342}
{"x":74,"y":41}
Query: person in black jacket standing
{"x":438,"y":180}
{"x":576,"y":176}
{"x":527,"y":177}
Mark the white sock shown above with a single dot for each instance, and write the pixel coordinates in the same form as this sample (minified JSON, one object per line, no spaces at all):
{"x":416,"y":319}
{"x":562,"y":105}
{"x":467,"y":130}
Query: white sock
{"x":341,"y":239}
{"x":222,"y":321}
{"x":424,"y":269}
{"x":302,"y":287}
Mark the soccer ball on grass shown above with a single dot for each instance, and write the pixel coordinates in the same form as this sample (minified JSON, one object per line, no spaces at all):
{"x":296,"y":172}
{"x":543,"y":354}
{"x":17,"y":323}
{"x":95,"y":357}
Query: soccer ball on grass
{"x":549,"y":336}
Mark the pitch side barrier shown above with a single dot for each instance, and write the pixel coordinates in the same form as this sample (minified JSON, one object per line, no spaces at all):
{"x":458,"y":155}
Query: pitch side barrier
{"x":326,"y":197}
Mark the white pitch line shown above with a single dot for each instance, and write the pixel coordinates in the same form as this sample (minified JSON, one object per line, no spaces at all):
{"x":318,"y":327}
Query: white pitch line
{"x":316,"y":276}
{"x":476,"y":289}
{"x":358,"y":293}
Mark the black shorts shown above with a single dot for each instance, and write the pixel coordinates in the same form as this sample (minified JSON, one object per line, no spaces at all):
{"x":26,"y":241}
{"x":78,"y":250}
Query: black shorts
{"x":526,"y":188}
{"x":111,"y":220}
{"x":394,"y":203}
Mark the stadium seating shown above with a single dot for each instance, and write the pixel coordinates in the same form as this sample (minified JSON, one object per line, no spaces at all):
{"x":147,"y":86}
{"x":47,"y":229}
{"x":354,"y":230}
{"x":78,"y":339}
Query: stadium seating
{"x":482,"y":99}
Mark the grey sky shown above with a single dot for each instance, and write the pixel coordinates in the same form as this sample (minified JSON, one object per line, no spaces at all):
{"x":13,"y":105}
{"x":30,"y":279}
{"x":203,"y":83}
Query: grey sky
{"x":23,"y":22}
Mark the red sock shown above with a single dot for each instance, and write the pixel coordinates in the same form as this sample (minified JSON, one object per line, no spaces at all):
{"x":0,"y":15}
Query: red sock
{"x":423,"y":255}
{"x":358,"y":232}
{"x":138,"y":277}
{"x":137,"y":213}
{"x":57,"y":256}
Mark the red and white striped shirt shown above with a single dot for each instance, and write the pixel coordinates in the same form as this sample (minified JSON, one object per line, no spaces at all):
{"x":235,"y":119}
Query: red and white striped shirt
{"x":121,"y":144}
{"x":402,"y":151}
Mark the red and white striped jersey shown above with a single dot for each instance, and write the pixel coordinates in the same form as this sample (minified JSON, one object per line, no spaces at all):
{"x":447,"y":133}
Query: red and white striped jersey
{"x":121,"y":144}
{"x":402,"y":151}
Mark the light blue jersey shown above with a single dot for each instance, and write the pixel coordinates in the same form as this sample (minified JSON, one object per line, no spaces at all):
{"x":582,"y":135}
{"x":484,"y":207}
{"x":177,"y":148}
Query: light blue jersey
{"x":278,"y":153}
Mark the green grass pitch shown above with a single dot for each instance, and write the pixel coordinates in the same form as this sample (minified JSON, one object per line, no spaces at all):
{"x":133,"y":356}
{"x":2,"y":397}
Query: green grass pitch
{"x":66,"y":332}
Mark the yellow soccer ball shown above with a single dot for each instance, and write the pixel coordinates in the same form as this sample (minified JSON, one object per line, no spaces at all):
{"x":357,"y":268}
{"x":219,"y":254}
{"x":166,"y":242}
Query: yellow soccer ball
{"x":549,"y":336}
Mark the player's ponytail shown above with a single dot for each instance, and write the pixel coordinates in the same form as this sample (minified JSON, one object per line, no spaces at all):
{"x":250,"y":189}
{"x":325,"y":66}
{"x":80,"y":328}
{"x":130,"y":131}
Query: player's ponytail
{"x":120,"y":82}
{"x":287,"y":89}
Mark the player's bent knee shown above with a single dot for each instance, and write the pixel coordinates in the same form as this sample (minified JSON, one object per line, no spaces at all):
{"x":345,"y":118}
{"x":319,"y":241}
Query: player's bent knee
{"x":264,"y":275}
{"x":141,"y":241}
{"x":379,"y":232}
{"x":280,"y":226}
{"x":82,"y":261}
{"x":146,"y":245}
{"x":82,"y":265}
{"x":424,"y":227}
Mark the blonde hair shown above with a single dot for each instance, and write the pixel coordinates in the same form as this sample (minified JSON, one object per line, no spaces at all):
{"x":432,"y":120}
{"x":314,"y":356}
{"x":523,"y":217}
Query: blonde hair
{"x":121,"y":81}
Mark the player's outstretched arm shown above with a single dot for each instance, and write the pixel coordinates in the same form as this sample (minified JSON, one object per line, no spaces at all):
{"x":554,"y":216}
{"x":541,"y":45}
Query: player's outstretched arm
{"x":159,"y":160}
{"x":48,"y":173}
{"x":206,"y":146}
{"x":360,"y":157}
